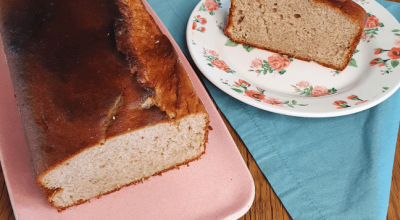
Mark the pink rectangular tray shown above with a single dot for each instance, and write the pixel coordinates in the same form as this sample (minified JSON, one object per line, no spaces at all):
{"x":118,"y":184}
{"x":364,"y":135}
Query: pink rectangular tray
{"x":218,"y":186}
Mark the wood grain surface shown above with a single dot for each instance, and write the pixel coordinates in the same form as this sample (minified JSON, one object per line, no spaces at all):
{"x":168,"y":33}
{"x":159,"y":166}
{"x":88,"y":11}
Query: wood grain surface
{"x":266,"y":204}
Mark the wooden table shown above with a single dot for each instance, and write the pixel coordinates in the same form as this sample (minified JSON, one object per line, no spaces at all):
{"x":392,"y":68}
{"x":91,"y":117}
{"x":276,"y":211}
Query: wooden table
{"x":266,"y":204}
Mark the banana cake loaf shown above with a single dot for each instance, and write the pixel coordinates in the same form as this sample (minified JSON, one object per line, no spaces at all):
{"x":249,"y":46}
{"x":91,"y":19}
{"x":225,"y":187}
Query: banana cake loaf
{"x":324,"y":31}
{"x":103,"y":97}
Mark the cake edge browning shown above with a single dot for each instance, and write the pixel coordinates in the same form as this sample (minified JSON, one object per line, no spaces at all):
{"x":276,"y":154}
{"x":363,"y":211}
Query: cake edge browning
{"x":147,"y":40}
{"x":348,"y":8}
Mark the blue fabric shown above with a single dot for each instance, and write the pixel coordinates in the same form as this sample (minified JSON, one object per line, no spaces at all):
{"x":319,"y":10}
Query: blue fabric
{"x":320,"y":168}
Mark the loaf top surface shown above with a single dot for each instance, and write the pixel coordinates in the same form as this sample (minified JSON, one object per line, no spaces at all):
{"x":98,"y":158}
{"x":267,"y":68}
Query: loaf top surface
{"x":78,"y":82}
{"x":348,"y":8}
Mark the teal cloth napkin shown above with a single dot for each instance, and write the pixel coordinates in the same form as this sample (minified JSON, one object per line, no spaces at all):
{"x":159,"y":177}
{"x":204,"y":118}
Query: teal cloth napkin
{"x":320,"y":168}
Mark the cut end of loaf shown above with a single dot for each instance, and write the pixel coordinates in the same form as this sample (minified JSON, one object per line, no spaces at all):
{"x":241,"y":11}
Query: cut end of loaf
{"x":315,"y":30}
{"x":124,"y":160}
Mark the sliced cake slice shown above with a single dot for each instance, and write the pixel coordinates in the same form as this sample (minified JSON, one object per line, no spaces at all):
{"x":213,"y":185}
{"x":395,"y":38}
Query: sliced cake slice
{"x":324,"y":31}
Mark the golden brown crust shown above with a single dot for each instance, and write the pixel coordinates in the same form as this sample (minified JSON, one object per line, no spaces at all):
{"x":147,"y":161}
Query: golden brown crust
{"x":347,"y":7}
{"x":67,"y":77}
{"x":173,"y":89}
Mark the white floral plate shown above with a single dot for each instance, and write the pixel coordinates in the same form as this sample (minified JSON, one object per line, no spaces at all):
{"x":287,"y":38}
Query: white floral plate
{"x":293,"y":87}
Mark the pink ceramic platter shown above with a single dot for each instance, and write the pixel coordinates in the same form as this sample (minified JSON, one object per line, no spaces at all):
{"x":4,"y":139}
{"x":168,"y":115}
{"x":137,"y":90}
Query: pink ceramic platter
{"x":218,"y":186}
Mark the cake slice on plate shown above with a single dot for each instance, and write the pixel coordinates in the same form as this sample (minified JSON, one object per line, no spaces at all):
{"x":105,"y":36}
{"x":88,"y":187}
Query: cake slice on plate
{"x":324,"y":31}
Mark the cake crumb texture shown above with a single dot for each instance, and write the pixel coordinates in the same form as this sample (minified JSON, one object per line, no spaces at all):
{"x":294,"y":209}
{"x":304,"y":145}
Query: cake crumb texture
{"x":324,"y":31}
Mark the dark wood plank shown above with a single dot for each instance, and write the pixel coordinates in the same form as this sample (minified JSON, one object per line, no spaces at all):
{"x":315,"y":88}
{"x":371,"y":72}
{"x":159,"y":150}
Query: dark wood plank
{"x":266,"y":204}
{"x":6,"y":212}
{"x":394,"y":200}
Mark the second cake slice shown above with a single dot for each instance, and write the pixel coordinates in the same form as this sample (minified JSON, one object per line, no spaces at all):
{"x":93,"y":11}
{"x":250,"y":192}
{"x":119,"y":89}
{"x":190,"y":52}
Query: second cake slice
{"x":324,"y":31}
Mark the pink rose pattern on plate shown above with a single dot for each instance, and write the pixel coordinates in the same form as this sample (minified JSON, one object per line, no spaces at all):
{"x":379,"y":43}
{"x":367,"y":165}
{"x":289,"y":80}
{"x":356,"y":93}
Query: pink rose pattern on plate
{"x":371,"y":28}
{"x":240,"y":82}
{"x":304,"y":88}
{"x":210,"y":6}
{"x":341,"y":104}
{"x":303,"y":84}
{"x":274,"y":64}
{"x":392,"y":61}
{"x":242,"y":87}
{"x":201,"y":21}
{"x":356,"y":98}
{"x":256,"y":63}
{"x":213,"y":58}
